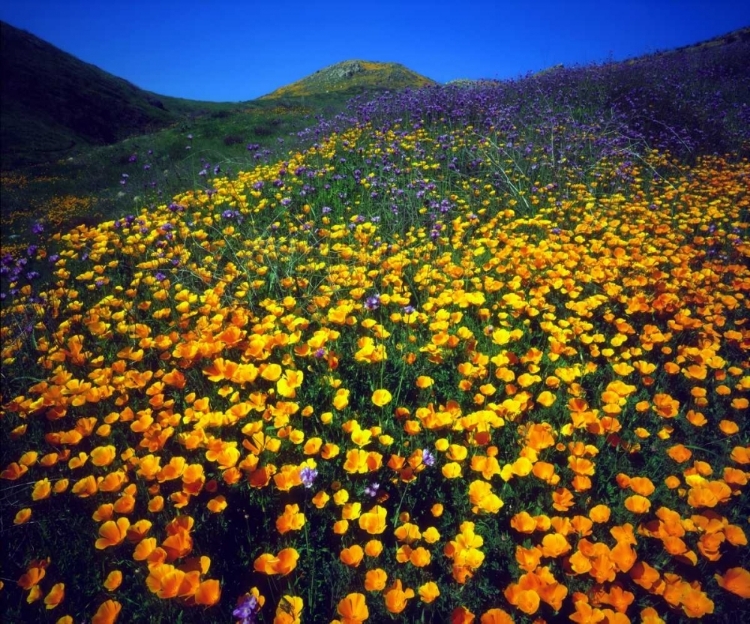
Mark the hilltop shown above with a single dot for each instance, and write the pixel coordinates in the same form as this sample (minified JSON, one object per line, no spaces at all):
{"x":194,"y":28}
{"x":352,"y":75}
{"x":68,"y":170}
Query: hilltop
{"x":351,"y":76}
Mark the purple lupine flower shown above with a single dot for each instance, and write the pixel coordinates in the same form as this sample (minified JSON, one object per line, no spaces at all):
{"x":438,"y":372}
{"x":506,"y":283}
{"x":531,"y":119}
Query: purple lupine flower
{"x":428,"y":459}
{"x":308,"y":475}
{"x":372,"y":302}
{"x":372,"y":489}
{"x":133,"y":158}
{"x":247,"y":609}
{"x":326,"y":210}
{"x":160,"y":277}
{"x":410,"y":309}
{"x":285,"y":202}
{"x":37,"y":228}
{"x":319,"y":353}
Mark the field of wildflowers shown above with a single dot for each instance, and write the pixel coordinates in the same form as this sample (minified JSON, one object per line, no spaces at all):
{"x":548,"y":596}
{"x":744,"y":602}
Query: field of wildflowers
{"x":479,"y":353}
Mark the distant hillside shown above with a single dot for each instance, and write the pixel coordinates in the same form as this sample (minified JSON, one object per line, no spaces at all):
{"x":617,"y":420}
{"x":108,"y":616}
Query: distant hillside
{"x":53,"y":102}
{"x":353,"y":75}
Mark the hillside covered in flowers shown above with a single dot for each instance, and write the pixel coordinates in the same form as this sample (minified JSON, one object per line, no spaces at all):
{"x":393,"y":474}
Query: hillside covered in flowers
{"x":479,"y":353}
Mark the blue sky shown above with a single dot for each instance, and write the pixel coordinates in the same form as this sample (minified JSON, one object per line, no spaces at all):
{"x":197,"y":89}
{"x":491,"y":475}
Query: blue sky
{"x":242,"y":49}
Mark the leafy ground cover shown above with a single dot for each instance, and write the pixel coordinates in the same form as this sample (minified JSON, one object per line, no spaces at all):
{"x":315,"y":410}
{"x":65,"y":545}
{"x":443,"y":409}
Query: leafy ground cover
{"x":479,"y":353}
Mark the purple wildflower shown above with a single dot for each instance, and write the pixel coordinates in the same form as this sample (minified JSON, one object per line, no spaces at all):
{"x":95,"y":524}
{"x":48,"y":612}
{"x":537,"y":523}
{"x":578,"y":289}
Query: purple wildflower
{"x":308,"y":475}
{"x":247,"y":609}
{"x":428,"y":459}
{"x":372,"y":489}
{"x":372,"y":302}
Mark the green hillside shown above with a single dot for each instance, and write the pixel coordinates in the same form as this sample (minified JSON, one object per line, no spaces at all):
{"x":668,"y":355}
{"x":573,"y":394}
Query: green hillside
{"x":55,"y":104}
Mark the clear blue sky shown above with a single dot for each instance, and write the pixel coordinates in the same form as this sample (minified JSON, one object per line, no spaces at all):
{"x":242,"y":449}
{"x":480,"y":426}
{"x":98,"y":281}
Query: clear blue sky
{"x":242,"y":49}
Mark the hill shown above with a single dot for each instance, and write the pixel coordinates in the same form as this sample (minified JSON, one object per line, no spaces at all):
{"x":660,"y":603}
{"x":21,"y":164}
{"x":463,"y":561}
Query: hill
{"x":352,"y":76}
{"x":54,"y":103}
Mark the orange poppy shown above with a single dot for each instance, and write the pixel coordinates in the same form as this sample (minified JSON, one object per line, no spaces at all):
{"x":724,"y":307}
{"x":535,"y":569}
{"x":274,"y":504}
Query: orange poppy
{"x":461,"y":615}
{"x":373,"y":548}
{"x":496,"y":616}
{"x":554,"y":545}
{"x":112,"y":533}
{"x":352,"y":556}
{"x":373,"y":521}
{"x":562,"y":499}
{"x":208,"y":593}
{"x":599,"y":514}
{"x":217,"y":504}
{"x":644,"y":575}
{"x":22,"y":516}
{"x":637,"y":504}
{"x":113,"y":580}
{"x":649,"y":615}
{"x":579,"y":563}
{"x":138,"y":531}
{"x":523,"y":522}
{"x":735,"y":580}
{"x":381,"y":397}
{"x":107,"y":613}
{"x":679,"y":453}
{"x":528,"y":558}
{"x":353,"y":609}
{"x":420,"y":557}
{"x":55,"y":596}
{"x":103,"y":455}
{"x":642,"y":485}
{"x":396,"y":597}
{"x":527,"y":600}
{"x":375,"y":580}
{"x":428,"y":592}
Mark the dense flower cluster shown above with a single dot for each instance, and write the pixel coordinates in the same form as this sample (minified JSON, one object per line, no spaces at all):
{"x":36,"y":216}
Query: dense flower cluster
{"x":415,"y":368}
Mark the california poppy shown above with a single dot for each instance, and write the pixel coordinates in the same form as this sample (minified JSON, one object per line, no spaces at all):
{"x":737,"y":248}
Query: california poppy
{"x":112,"y":533}
{"x":107,"y":613}
{"x":353,"y":609}
{"x":396,"y":597}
